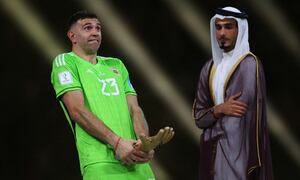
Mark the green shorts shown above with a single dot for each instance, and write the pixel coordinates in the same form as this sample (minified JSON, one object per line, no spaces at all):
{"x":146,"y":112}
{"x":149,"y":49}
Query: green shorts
{"x":116,"y":171}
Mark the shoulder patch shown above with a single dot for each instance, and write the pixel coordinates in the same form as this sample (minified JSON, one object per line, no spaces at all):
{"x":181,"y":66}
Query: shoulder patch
{"x":65,"y":77}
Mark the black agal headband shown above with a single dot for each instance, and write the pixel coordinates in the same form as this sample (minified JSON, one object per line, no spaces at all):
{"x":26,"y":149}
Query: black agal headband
{"x":223,"y":12}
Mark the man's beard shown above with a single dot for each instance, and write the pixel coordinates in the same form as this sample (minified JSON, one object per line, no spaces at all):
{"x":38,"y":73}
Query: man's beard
{"x":222,"y":46}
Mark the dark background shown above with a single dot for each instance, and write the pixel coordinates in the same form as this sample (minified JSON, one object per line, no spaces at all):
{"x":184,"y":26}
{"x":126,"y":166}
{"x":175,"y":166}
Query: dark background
{"x":37,"y":142}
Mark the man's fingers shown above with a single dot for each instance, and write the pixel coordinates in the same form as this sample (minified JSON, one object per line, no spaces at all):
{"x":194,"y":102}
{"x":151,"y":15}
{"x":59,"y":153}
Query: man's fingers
{"x":236,"y":95}
{"x":138,"y":159}
{"x":241,"y":113}
{"x":236,"y":115}
{"x":127,"y":160}
{"x":134,"y":158}
{"x":238,"y":112}
{"x":140,"y":153}
{"x":240,"y":103}
{"x":239,"y":108}
{"x":142,"y":157}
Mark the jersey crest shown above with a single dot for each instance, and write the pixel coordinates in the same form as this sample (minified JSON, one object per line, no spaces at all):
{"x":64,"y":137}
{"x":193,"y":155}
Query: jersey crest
{"x":115,"y":70}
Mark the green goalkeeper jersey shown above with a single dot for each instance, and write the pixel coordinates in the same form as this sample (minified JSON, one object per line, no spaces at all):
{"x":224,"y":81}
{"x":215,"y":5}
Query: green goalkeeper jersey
{"x":104,"y":86}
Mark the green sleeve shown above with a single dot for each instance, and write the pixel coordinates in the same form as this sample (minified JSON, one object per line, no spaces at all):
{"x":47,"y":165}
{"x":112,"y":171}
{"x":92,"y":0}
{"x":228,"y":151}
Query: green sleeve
{"x":128,"y":87}
{"x":64,"y":76}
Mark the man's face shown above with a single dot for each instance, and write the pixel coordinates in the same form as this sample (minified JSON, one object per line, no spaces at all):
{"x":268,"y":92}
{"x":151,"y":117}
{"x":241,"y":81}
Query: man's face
{"x":86,"y":33}
{"x":226,"y":33}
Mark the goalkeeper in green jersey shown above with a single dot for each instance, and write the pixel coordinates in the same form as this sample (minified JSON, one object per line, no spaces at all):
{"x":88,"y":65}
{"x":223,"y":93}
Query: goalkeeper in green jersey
{"x":95,"y":92}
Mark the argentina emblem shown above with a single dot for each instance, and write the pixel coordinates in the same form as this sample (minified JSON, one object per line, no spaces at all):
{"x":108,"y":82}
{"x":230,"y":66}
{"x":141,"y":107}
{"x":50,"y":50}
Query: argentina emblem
{"x":115,"y":70}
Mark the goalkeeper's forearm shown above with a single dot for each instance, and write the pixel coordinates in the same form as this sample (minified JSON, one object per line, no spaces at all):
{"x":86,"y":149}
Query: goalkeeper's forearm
{"x":140,"y":124}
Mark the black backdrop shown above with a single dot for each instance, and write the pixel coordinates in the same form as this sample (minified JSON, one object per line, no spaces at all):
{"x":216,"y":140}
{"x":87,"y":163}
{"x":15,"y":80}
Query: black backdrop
{"x":37,"y":142}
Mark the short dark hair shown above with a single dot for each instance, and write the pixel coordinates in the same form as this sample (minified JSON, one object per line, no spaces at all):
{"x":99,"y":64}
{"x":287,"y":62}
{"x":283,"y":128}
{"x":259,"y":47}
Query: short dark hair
{"x":80,"y":15}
